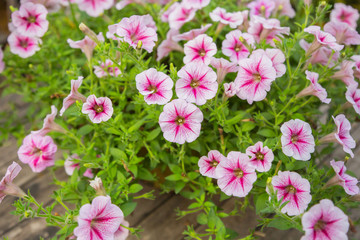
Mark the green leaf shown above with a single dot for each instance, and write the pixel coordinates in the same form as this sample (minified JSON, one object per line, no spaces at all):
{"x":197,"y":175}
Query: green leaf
{"x":211,"y":218}
{"x":179,"y":186}
{"x":113,"y":131}
{"x":280,"y":223}
{"x":266,"y":132}
{"x":85,"y":130}
{"x":261,"y":202}
{"x":135,"y":188}
{"x":240,"y":115}
{"x":153,"y":134}
{"x":174,"y":177}
{"x":136,"y":126}
{"x":128,"y":208}
{"x":118,"y":154}
{"x":202,"y":218}
{"x":145,"y":174}
{"x":248,"y":126}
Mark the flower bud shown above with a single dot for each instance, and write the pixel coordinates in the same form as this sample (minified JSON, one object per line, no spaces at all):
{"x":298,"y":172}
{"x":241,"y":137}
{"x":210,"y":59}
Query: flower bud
{"x":98,"y":186}
{"x":88,"y":32}
{"x":139,"y":44}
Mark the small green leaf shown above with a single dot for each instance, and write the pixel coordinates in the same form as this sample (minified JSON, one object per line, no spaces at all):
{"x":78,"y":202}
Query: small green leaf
{"x":128,"y":208}
{"x":153,"y":134}
{"x":135,"y":188}
{"x":266,"y":132}
{"x":174,"y":177}
{"x":211,"y":218}
{"x":280,"y":223}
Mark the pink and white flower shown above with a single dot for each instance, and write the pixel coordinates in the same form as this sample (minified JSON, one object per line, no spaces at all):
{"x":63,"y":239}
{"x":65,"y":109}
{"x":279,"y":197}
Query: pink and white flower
{"x":236,"y":45}
{"x":123,"y":3}
{"x":346,"y":73}
{"x":190,"y":35}
{"x":260,"y":157}
{"x":223,"y":67}
{"x":200,"y":50}
{"x":197,"y":83}
{"x":165,"y":15}
{"x":122,"y":233}
{"x":325,"y":221}
{"x":70,"y":166}
{"x":230,"y":89}
{"x":49,"y":124}
{"x":341,"y":135}
{"x":353,"y":96}
{"x":86,"y":45}
{"x":180,"y":121}
{"x":135,"y":29}
{"x":24,"y":46}
{"x":208,"y":164}
{"x":262,"y":8}
{"x":73,"y":96}
{"x":322,"y":39}
{"x":290,"y":186}
{"x":169,"y":45}
{"x":99,"y":109}
{"x":7,"y":187}
{"x":51,"y":5}
{"x":220,"y":15}
{"x":284,"y":8}
{"x":98,"y":220}
{"x":94,"y":8}
{"x":254,"y":77}
{"x":155,"y":86}
{"x":30,"y":20}
{"x":297,"y":140}
{"x":315,"y":88}
{"x":356,"y":59}
{"x":106,"y":68}
{"x":2,"y":64}
{"x":348,"y":182}
{"x":343,"y":33}
{"x":180,"y":15}
{"x":235,"y":175}
{"x":344,"y":13}
{"x":277,"y":58}
{"x":38,"y":152}
{"x":197,"y":4}
{"x":321,"y":55}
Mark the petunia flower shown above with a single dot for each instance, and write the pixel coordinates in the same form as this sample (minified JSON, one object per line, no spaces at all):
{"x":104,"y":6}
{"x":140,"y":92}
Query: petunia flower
{"x":197,"y":4}
{"x":236,"y":45}
{"x":207,"y":164}
{"x":346,"y":73}
{"x":268,"y":29}
{"x":254,"y":77}
{"x":2,"y":64}
{"x":38,"y":152}
{"x":165,"y":15}
{"x":70,"y":166}
{"x":155,"y":86}
{"x":353,"y":96}
{"x":223,"y":67}
{"x":7,"y":187}
{"x":50,"y":5}
{"x":197,"y":83}
{"x":94,"y":8}
{"x":190,"y":35}
{"x":122,"y":233}
{"x":220,"y":15}
{"x":169,"y":45}
{"x":341,"y":135}
{"x":123,"y":3}
{"x":284,"y":8}
{"x":230,"y":89}
{"x":98,"y":220}
{"x":135,"y":29}
{"x":180,"y":121}
{"x":343,"y":33}
{"x":290,"y":186}
{"x":200,"y":50}
{"x":344,"y":13}
{"x":315,"y":88}
{"x":297,"y":140}
{"x":99,"y":109}
{"x":73,"y":96}
{"x":235,"y":175}
{"x":24,"y":46}
{"x":325,"y":221}
{"x":348,"y":182}
{"x":321,"y":55}
{"x":49,"y":124}
{"x":260,"y":157}
{"x":356,"y":59}
{"x":30,"y":20}
{"x":321,"y":39}
{"x":86,"y":45}
{"x":262,"y":8}
{"x":180,"y":15}
{"x":106,"y":68}
{"x":277,"y":58}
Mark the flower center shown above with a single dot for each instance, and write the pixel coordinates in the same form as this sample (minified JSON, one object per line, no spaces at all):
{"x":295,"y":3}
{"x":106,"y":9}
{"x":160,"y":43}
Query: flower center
{"x":36,"y":151}
{"x":259,"y":156}
{"x":238,"y":48}
{"x":180,"y":120}
{"x":294,"y":138}
{"x":257,"y":77}
{"x":194,"y":83}
{"x":152,"y":89}
{"x":290,"y":189}
{"x":98,"y":108}
{"x":202,"y":52}
{"x":133,"y":37}
{"x":31,"y":19}
{"x":263,"y":10}
{"x":214,"y":163}
{"x":238,"y":173}
{"x":319,"y":225}
{"x":24,"y":43}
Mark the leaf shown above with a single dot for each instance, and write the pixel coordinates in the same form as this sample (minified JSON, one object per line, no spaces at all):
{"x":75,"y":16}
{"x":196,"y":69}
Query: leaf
{"x":280,"y":223}
{"x":266,"y":132}
{"x":247,"y":126}
{"x":179,"y":186}
{"x":261,"y":202}
{"x":202,"y":218}
{"x":128,"y":208}
{"x":211,"y":218}
{"x":153,"y":134}
{"x":135,"y":188}
{"x":136,"y":126}
{"x":235,"y":119}
{"x":85,"y":130}
{"x":145,"y":174}
{"x":118,"y":154}
{"x":174,"y":177}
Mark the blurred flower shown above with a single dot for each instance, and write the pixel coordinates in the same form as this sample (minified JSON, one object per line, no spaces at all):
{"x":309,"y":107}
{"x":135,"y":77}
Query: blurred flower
{"x":208,"y":164}
{"x":284,"y":8}
{"x":70,"y":166}
{"x":346,"y":73}
{"x":155,"y":86}
{"x":197,"y":4}
{"x":106,"y":68}
{"x":165,"y":15}
{"x":223,"y":67}
{"x":73,"y":96}
{"x":321,"y":55}
{"x":180,"y":121}
{"x":200,"y":50}
{"x":197,"y":83}
{"x":169,"y":45}
{"x":38,"y":152}
{"x":235,"y":48}
{"x":290,"y":186}
{"x":343,"y":33}
{"x":220,"y":15}
{"x":122,"y":233}
{"x":94,"y":8}
{"x":260,"y":157}
{"x":344,"y":13}
{"x":7,"y":187}
{"x":190,"y":35}
{"x":321,"y":39}
{"x":297,"y":140}
{"x":348,"y":182}
{"x":51,"y":5}
{"x":325,"y":221}
{"x":353,"y":96}
{"x":86,"y":45}
{"x":315,"y":88}
{"x":49,"y":124}
{"x":24,"y":46}
{"x":262,"y":8}
{"x":235,"y":175}
{"x":99,"y":109}
{"x":356,"y":59}
{"x":180,"y":15}
{"x":230,"y":89}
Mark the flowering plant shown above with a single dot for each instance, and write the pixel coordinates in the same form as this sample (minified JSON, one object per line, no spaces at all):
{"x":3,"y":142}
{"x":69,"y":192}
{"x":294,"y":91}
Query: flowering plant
{"x":209,"y":99}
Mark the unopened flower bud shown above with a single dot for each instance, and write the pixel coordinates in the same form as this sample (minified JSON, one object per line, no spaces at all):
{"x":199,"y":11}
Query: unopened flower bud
{"x":139,"y":44}
{"x":307,"y":2}
{"x":280,"y":8}
{"x":98,"y":186}
{"x":88,"y":32}
{"x":269,"y":185}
